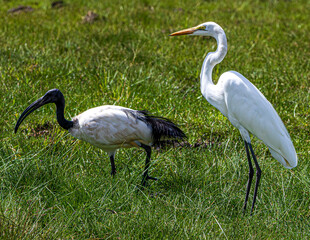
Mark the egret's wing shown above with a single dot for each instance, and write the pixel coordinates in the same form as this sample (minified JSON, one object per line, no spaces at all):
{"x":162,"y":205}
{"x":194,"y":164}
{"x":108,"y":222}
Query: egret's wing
{"x":248,"y":108}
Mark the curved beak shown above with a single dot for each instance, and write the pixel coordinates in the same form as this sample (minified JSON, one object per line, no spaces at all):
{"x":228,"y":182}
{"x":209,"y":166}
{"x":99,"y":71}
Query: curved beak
{"x":184,"y":32}
{"x":33,"y":106}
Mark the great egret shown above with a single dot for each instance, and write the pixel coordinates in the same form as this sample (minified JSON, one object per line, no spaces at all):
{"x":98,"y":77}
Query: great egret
{"x":244,"y":106}
{"x":111,"y":127}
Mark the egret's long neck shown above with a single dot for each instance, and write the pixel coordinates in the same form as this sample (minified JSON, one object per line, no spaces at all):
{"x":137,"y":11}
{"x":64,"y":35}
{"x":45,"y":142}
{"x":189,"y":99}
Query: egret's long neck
{"x":208,"y":88}
{"x":60,"y":108}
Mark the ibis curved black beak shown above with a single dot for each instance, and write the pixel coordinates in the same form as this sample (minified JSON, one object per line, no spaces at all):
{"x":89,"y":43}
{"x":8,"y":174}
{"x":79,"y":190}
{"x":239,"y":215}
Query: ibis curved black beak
{"x":51,"y":96}
{"x":33,"y":106}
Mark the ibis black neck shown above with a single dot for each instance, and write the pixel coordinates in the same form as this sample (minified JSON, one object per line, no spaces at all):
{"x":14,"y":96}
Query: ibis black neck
{"x":64,"y":123}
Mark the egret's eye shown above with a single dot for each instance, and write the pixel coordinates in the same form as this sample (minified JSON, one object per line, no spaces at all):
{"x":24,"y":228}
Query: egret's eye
{"x":201,"y":28}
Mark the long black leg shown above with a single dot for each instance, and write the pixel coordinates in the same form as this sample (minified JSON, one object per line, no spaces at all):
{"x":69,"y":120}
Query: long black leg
{"x":113,"y":171}
{"x":258,"y":175}
{"x":147,"y":164}
{"x":251,"y":173}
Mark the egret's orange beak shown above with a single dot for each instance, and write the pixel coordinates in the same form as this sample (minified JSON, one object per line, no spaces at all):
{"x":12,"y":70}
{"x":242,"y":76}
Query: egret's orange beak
{"x":184,"y":32}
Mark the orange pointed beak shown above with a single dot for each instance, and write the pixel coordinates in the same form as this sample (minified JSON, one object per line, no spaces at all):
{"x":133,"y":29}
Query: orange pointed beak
{"x":184,"y":32}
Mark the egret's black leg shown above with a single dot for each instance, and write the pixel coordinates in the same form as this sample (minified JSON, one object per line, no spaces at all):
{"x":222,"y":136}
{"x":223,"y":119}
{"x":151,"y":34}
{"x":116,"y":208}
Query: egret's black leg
{"x":113,"y":171}
{"x":147,"y":164}
{"x":251,"y":173}
{"x":258,"y":175}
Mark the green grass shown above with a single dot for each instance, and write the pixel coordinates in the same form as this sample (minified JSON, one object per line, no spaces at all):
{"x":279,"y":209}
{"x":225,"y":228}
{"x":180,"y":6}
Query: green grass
{"x":55,"y":187}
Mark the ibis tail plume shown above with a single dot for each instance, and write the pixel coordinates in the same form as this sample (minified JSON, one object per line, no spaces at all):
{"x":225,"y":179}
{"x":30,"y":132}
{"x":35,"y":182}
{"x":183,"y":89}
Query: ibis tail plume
{"x":244,"y":106}
{"x":111,"y":127}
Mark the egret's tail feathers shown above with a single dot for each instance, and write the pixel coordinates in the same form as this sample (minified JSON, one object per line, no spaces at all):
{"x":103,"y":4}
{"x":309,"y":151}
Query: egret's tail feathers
{"x":162,"y":128}
{"x":288,"y":161}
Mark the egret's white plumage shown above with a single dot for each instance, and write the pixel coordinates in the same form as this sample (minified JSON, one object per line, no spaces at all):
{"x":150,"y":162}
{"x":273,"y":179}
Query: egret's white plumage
{"x":249,"y":111}
{"x":111,"y":127}
{"x":243,"y":104}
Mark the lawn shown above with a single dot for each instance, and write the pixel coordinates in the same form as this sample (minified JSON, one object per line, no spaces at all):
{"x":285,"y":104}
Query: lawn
{"x":53,"y":186}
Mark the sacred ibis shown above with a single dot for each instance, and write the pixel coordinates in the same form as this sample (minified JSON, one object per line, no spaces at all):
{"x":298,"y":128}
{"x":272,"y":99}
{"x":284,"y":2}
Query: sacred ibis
{"x":111,"y":127}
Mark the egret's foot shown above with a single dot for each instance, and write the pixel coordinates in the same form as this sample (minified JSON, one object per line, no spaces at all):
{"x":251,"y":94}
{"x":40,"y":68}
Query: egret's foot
{"x":243,"y":211}
{"x":113,"y":172}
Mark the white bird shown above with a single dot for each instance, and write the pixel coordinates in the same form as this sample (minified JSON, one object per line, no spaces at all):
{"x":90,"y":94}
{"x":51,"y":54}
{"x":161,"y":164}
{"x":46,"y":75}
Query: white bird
{"x":111,"y":127}
{"x":244,"y":106}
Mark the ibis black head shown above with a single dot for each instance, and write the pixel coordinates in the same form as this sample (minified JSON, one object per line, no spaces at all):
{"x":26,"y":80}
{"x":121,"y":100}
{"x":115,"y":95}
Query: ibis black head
{"x":52,"y":96}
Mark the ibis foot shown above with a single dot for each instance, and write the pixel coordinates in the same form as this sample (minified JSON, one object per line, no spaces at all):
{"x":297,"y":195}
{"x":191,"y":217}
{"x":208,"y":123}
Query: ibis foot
{"x":145,"y":178}
{"x":151,"y":178}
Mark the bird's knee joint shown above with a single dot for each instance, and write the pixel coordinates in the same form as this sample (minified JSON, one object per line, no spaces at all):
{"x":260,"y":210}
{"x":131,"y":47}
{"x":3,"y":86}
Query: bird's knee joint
{"x":258,"y":172}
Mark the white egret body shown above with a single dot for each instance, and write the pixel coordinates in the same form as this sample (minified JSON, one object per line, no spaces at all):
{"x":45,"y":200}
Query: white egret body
{"x":243,"y":104}
{"x":111,"y":127}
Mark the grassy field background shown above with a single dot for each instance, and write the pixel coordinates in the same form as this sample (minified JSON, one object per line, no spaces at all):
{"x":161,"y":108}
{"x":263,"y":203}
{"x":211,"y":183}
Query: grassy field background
{"x":55,"y":187}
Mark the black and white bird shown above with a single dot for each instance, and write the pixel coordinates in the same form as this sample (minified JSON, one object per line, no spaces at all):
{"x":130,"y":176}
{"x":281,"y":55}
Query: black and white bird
{"x":111,"y":127}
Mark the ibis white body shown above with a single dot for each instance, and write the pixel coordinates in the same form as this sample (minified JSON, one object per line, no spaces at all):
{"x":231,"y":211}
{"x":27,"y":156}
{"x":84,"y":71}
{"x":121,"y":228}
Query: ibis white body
{"x":110,"y":127}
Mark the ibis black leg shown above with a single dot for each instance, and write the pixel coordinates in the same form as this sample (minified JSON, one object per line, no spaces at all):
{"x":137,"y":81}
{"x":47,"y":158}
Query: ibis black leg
{"x":147,"y":164}
{"x":258,"y":175}
{"x":251,"y":173}
{"x":113,"y":171}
